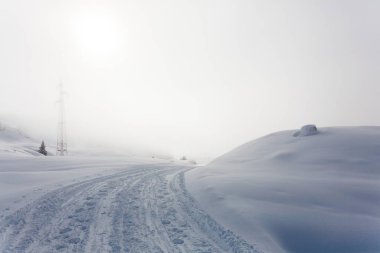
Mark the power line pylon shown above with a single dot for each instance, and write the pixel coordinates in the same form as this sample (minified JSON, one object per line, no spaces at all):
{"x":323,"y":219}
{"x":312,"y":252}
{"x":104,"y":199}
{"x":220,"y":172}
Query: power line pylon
{"x":61,"y":133}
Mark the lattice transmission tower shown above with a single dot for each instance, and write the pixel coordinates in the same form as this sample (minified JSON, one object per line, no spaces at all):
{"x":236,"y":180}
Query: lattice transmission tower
{"x":61,"y":133}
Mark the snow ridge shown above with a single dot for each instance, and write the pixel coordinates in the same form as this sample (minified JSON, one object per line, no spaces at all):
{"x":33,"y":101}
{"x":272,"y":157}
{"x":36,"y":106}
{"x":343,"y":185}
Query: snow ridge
{"x":226,"y":237}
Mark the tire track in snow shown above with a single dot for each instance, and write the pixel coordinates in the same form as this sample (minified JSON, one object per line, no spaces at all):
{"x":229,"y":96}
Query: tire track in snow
{"x":140,"y":209}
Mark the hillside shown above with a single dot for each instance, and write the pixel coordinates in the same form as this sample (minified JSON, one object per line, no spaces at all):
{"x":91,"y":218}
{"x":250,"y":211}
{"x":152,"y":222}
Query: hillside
{"x":15,"y":142}
{"x":297,"y":191}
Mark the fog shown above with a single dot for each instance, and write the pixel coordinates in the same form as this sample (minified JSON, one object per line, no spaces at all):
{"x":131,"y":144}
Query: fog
{"x":187,"y":77}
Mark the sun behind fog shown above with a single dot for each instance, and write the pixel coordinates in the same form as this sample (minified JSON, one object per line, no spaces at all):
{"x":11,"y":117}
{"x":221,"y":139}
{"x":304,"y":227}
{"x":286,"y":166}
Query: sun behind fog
{"x":96,"y":32}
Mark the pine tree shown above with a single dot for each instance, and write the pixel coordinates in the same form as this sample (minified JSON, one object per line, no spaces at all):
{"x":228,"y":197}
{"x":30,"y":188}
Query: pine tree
{"x":42,"y":149}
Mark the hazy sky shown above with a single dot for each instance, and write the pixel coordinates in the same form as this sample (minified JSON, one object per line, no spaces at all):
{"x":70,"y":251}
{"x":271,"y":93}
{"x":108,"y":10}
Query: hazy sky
{"x":188,"y":77}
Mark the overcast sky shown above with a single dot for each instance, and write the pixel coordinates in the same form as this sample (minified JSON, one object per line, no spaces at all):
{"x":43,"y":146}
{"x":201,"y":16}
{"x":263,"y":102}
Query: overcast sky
{"x":188,"y":77}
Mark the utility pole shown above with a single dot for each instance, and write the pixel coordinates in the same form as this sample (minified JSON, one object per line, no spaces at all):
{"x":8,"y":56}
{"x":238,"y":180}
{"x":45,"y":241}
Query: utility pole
{"x":61,"y":133}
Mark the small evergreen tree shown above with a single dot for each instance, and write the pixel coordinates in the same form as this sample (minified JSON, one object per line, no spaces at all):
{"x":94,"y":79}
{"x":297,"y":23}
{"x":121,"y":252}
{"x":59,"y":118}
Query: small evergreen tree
{"x":42,"y":149}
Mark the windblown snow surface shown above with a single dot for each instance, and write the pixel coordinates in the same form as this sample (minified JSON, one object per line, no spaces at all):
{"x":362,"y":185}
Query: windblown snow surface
{"x":101,"y":204}
{"x":298,"y":193}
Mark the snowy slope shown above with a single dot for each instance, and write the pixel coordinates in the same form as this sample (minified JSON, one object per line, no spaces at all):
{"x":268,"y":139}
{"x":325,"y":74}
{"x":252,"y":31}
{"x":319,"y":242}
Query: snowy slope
{"x":295,"y":192}
{"x":15,"y":142}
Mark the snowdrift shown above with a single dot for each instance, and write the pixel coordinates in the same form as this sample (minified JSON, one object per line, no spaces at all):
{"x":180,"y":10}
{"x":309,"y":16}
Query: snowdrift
{"x":298,"y":191}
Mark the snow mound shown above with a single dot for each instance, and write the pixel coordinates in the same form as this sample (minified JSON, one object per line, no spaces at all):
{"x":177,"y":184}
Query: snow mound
{"x":298,"y":195}
{"x":306,"y":130}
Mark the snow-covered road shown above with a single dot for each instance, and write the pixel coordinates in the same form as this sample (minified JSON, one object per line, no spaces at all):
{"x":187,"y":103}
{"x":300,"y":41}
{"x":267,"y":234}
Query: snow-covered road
{"x":139,"y":209}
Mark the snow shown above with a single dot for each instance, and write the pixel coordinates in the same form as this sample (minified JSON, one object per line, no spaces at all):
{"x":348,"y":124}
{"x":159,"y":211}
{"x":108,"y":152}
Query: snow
{"x":101,"y":204}
{"x":315,"y":191}
{"x":15,"y":142}
{"x":310,"y":190}
{"x":108,"y":207}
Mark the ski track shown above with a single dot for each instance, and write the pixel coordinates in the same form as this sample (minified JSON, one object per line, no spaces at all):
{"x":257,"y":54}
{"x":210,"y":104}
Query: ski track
{"x":141,"y":209}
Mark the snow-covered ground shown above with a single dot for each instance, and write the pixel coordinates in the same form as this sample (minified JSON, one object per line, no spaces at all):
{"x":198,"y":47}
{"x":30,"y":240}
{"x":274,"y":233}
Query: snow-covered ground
{"x":298,"y":191}
{"x":100,"y":204}
{"x":293,"y":191}
{"x":15,"y":142}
